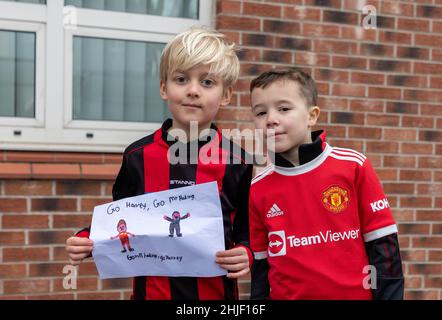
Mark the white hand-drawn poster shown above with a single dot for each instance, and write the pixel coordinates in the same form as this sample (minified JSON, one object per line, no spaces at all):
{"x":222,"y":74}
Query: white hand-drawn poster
{"x":169,"y":233}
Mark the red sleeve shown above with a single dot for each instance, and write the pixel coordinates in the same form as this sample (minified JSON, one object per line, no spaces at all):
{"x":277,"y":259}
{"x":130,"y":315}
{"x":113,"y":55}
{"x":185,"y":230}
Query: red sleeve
{"x":85,"y":233}
{"x":258,"y":232}
{"x":374,"y":210}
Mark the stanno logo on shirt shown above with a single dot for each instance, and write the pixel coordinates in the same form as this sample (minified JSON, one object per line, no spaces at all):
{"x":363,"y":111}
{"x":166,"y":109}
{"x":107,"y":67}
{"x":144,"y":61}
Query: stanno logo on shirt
{"x":274,"y":211}
{"x":335,"y":199}
{"x":182,"y":182}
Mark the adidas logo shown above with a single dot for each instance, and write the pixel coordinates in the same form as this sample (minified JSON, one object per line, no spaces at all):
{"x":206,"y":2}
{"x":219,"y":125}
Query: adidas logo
{"x":274,"y":211}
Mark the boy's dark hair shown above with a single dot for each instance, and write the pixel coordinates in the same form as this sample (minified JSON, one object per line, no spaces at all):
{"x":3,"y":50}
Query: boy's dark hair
{"x":307,"y":85}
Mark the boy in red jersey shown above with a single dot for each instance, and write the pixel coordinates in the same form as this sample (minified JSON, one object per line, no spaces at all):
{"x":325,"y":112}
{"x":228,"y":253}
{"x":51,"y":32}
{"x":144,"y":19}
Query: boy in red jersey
{"x":319,"y":220}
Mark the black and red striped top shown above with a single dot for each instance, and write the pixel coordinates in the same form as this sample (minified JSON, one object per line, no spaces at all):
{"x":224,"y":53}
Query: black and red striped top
{"x":146,"y":168}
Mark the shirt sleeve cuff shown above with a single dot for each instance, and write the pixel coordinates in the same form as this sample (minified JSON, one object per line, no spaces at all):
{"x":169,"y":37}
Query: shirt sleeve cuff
{"x":249,"y":253}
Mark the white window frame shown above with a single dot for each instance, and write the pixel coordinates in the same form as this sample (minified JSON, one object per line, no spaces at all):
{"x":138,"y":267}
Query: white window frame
{"x":53,"y":127}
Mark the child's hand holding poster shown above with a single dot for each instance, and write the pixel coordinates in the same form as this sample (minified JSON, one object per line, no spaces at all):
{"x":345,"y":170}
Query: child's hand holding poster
{"x":169,"y":233}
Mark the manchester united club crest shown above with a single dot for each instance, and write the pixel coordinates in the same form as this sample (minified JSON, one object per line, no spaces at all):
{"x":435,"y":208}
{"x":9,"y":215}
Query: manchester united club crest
{"x":335,"y":199}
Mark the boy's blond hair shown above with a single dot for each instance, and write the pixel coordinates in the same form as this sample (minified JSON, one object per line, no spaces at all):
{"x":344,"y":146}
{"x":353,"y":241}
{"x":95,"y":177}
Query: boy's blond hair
{"x":201,"y":46}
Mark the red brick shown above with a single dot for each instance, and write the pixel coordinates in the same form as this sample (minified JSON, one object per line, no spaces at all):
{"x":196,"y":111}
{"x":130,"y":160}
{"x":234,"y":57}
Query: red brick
{"x":428,"y":215}
{"x":431,"y":109}
{"x":384,"y":147}
{"x":56,"y":171}
{"x":12,"y":238}
{"x":417,"y":122}
{"x":413,"y":228}
{"x":390,"y":65}
{"x":26,"y":286}
{"x":99,"y":296}
{"x":398,"y":188}
{"x":88,"y":204}
{"x":53,"y":204}
{"x":367,"y":105}
{"x":416,"y":148}
{"x":421,"y":295}
{"x":413,"y":255}
{"x":368,"y":78}
{"x":285,"y":27}
{"x":116,"y":284}
{"x":430,"y":189}
{"x":347,"y":117}
{"x":15,"y":170}
{"x":28,"y":188}
{"x":424,"y":268}
{"x":358,"y":33}
{"x":71,"y":221}
{"x":55,"y":296}
{"x":100,"y":172}
{"x":433,"y":282}
{"x":413,"y":53}
{"x":365,"y":132}
{"x":31,"y":156}
{"x":235,"y":114}
{"x":394,"y":37}
{"x":427,"y":68}
{"x":434,"y":255}
{"x":331,"y":75}
{"x":312,"y":59}
{"x":262,"y":10}
{"x":384,"y":93}
{"x":46,"y":269}
{"x":397,"y":8}
{"x":415,"y":202}
{"x":430,"y":162}
{"x":13,"y":205}
{"x":233,"y":23}
{"x":408,"y":81}
{"x":387,"y":175}
{"x":258,"y":40}
{"x":349,"y":62}
{"x":320,"y":30}
{"x":277,"y":56}
{"x":413,"y":25}
{"x":400,"y":134}
{"x":76,"y":187}
{"x":301,"y":13}
{"x":25,"y":254}
{"x":228,"y":7}
{"x":10,"y":271}
{"x":335,"y":47}
{"x":383,"y":120}
{"x":429,"y":40}
{"x":413,"y":282}
{"x":25,"y":222}
{"x":49,"y":237}
{"x":348,"y":90}
{"x":400,"y":161}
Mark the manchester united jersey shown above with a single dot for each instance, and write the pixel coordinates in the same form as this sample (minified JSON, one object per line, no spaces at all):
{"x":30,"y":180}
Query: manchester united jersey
{"x":311,"y":223}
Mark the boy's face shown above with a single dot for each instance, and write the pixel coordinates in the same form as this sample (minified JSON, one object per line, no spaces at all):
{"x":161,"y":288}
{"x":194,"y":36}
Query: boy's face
{"x":282,"y":108}
{"x":194,"y":95}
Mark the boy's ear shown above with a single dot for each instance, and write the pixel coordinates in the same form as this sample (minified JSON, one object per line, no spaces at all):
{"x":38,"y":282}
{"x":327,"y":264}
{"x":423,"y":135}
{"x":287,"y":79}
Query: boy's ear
{"x":313,"y":115}
{"x":163,"y":91}
{"x":227,"y":95}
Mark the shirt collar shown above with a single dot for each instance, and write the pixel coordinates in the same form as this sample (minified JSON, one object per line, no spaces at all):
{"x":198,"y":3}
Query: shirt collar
{"x":307,"y":151}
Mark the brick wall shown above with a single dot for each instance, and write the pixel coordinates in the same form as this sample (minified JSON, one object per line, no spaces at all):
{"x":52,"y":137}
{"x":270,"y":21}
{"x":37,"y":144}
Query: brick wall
{"x":380,"y":93}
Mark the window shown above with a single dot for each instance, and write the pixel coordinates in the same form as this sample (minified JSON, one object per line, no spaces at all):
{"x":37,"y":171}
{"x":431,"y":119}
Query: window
{"x":84,"y":74}
{"x":17,"y":74}
{"x":169,"y":8}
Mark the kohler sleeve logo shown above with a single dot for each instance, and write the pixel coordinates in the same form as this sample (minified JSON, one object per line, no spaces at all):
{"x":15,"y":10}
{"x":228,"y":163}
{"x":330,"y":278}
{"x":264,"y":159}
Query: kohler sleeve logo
{"x":379,"y":205}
